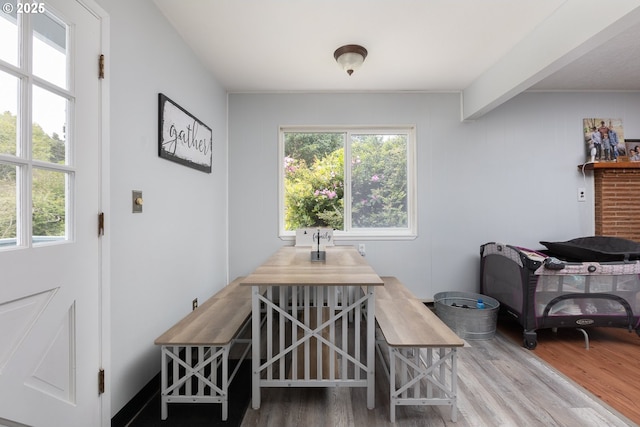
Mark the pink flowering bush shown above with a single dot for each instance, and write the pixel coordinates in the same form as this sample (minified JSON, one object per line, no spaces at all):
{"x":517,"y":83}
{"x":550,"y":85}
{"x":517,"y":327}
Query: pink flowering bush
{"x":313,"y":194}
{"x":314,"y":181}
{"x":378,"y":182}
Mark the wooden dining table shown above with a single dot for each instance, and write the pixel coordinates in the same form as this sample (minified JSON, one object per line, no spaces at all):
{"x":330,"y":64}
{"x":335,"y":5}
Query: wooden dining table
{"x":307,"y":328}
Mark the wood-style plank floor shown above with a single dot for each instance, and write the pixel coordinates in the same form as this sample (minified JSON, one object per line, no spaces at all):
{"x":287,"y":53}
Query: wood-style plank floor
{"x":609,"y":368}
{"x":500,"y":383}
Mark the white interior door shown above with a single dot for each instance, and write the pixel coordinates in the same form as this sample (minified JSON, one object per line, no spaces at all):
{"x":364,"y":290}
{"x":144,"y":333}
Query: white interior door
{"x":49,"y":249}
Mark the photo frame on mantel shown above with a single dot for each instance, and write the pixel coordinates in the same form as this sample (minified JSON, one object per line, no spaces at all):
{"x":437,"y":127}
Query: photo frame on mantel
{"x":633,"y":149}
{"x":604,"y":139}
{"x":182,"y":138}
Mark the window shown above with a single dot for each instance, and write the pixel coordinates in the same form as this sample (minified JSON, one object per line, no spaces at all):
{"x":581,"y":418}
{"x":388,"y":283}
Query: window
{"x":358,"y":181}
{"x":36,"y":175}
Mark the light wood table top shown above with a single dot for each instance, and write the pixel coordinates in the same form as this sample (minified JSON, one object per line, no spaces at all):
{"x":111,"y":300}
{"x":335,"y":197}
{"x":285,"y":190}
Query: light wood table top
{"x":293,"y":266}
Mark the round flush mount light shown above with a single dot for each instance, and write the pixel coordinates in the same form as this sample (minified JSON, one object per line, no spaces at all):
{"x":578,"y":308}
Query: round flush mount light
{"x":350,"y":57}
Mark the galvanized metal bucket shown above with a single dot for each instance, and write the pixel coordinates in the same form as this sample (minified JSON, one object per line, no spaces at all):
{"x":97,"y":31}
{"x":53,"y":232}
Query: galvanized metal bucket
{"x":458,"y":311}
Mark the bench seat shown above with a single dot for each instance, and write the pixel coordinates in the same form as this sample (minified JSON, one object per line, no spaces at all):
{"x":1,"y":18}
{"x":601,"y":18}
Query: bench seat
{"x":393,"y":289}
{"x":197,"y":347}
{"x":410,"y":323}
{"x":216,"y":322}
{"x":420,"y":347}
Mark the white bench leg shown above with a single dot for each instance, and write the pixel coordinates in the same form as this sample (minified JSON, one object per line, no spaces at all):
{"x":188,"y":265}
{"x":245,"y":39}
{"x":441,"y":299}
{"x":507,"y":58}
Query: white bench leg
{"x":392,"y":384}
{"x":406,"y":367}
{"x":454,"y":384}
{"x":255,"y":348}
{"x":371,"y":342}
{"x":225,"y":383}
{"x":163,"y":384}
{"x":182,"y":369}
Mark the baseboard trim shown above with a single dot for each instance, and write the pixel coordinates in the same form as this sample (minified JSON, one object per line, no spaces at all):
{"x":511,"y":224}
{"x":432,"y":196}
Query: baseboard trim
{"x":137,"y":403}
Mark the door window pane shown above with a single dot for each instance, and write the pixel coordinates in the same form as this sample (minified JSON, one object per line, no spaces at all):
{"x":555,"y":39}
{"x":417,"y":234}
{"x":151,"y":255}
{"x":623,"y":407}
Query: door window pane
{"x":8,"y":113}
{"x":49,"y":126}
{"x":9,"y":32}
{"x":8,"y":205}
{"x":49,"y":205}
{"x":30,"y":88}
{"x":50,"y":49}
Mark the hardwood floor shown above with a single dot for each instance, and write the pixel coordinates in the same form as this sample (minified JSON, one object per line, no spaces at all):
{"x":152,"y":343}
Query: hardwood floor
{"x":500,"y":383}
{"x":610,"y":368}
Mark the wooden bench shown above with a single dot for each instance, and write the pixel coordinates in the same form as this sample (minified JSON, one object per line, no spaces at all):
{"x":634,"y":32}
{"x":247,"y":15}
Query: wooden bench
{"x":393,"y":289}
{"x":420,"y":346}
{"x":198,"y":346}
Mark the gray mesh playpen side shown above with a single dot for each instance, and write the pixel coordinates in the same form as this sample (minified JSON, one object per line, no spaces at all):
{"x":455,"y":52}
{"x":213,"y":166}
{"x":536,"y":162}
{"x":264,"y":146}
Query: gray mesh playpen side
{"x":506,"y":275}
{"x":578,"y":295}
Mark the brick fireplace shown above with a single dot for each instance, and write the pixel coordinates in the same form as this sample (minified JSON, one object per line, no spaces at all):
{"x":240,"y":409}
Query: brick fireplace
{"x":617,"y":199}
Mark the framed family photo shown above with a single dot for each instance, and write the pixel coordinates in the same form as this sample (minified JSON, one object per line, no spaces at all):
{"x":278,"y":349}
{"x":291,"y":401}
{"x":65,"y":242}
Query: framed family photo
{"x":604,"y":139}
{"x":633,"y":149}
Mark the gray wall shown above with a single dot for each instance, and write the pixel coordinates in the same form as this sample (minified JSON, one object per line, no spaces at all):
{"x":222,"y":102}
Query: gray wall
{"x":510,"y":176}
{"x":176,"y":249}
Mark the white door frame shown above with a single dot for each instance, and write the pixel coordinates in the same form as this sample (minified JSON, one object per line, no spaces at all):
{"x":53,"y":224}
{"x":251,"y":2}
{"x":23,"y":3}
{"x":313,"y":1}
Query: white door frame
{"x":105,"y":205}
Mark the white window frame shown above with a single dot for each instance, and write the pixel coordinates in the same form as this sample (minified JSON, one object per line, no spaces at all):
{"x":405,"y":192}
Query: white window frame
{"x":408,"y":233}
{"x":23,"y":159}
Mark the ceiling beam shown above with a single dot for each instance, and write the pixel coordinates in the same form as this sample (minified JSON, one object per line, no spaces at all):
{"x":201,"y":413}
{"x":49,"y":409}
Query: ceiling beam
{"x":575,"y":29}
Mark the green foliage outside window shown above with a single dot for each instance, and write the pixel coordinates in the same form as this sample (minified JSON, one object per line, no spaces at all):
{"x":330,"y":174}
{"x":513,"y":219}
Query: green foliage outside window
{"x":48,"y":203}
{"x":7,"y":201}
{"x":48,"y":187}
{"x":379,"y":181}
{"x":314,"y":180}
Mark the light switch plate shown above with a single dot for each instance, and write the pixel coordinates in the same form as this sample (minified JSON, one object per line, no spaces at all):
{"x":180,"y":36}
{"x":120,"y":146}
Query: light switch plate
{"x":136,"y":207}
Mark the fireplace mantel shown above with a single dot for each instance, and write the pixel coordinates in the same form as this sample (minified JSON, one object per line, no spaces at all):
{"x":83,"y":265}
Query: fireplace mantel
{"x":616,"y":198}
{"x":609,"y":165}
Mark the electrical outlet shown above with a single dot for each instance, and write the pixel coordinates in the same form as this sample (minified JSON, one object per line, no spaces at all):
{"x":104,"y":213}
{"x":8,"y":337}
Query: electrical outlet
{"x":361,"y":249}
{"x":194,"y":304}
{"x":582,"y":194}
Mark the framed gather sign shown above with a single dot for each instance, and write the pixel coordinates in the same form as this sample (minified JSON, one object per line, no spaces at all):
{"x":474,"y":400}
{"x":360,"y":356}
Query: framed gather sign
{"x":182,"y":137}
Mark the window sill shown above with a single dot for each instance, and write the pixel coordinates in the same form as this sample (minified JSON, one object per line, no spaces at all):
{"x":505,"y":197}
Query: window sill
{"x":359,"y":237}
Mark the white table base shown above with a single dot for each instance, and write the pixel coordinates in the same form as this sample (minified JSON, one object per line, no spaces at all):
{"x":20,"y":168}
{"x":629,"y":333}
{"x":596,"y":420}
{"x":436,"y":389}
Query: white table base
{"x":289,"y":311}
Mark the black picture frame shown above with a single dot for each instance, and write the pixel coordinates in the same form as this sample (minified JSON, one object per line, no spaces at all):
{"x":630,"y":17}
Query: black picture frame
{"x":182,"y":138}
{"x":633,"y":145}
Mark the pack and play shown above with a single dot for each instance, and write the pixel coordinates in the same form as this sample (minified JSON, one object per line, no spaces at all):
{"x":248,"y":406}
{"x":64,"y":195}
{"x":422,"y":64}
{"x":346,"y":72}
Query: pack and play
{"x":588,"y":281}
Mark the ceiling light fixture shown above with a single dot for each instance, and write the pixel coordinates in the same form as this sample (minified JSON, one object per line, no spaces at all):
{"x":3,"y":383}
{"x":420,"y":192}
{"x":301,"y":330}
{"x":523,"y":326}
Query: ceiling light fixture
{"x":350,"y":57}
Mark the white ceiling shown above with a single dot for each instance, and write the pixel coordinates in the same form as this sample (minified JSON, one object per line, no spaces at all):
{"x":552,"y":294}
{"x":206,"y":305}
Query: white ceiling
{"x":615,"y":65}
{"x":416,"y":45}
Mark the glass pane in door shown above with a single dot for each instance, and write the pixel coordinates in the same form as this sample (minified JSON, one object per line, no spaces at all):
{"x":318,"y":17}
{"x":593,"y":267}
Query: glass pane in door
{"x":50,"y":49}
{"x":49,"y":126}
{"x":8,"y":205}
{"x":49,"y":205}
{"x":9,"y":32}
{"x":8,"y":113}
